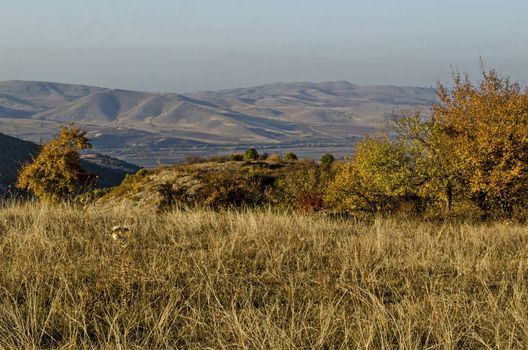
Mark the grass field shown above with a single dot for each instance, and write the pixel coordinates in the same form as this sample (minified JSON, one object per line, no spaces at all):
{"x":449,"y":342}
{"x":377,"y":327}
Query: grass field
{"x":257,"y":280}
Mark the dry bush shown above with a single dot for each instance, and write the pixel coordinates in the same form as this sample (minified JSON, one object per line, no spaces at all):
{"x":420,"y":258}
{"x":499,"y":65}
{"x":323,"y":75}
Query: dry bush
{"x":275,"y":158}
{"x":237,"y":157}
{"x":229,"y":191}
{"x":303,"y":189}
{"x":254,"y":280}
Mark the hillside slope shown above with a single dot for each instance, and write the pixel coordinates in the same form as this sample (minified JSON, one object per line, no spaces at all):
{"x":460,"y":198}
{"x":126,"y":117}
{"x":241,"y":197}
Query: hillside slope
{"x":212,"y":184}
{"x":322,"y":103}
{"x":13,"y":154}
{"x":23,"y":99}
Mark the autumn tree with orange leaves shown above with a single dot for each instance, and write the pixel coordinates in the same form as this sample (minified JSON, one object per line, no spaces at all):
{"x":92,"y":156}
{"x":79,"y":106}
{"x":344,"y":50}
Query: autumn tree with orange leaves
{"x":485,"y":129}
{"x":56,"y":172}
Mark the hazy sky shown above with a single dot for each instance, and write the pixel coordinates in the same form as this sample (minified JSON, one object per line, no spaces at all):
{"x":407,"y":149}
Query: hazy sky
{"x":189,"y":45}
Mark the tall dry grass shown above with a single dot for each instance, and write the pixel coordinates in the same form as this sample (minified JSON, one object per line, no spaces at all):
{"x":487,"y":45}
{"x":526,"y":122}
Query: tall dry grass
{"x":257,"y":280}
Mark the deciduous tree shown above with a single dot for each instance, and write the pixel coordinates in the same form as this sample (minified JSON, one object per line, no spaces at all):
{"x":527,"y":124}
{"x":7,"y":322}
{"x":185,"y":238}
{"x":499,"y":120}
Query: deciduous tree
{"x":380,"y":174}
{"x":251,"y":154}
{"x":485,"y":128}
{"x":56,"y":172}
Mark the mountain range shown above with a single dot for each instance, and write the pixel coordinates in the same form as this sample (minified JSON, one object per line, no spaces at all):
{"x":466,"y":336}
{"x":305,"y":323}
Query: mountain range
{"x":267,"y":114}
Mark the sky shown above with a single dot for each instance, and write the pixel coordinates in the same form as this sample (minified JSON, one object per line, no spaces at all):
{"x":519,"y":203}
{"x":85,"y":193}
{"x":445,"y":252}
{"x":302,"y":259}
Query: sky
{"x":192,"y":45}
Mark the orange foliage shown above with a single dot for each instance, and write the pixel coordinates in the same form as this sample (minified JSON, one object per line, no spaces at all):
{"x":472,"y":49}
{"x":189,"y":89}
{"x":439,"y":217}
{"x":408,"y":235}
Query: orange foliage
{"x":56,"y":172}
{"x":485,"y":127}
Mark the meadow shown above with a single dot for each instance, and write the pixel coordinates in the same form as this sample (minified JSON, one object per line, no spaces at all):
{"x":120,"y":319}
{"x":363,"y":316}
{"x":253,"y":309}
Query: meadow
{"x":256,"y":279}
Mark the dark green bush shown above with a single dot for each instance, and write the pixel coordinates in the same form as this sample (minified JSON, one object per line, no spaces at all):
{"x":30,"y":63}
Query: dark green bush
{"x":290,"y":156}
{"x":237,"y":157}
{"x":327,"y":159}
{"x":251,"y":154}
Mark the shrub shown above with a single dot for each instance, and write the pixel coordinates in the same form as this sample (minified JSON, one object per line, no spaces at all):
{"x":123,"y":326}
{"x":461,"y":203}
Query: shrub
{"x":92,"y":196}
{"x":218,"y":159}
{"x":327,"y":159}
{"x":141,"y":173}
{"x":237,"y":157}
{"x":276,"y":158}
{"x":303,"y":189}
{"x":131,"y":179}
{"x":242,"y":191}
{"x":380,"y":176}
{"x":251,"y":154}
{"x":167,"y":196}
{"x":290,"y":156}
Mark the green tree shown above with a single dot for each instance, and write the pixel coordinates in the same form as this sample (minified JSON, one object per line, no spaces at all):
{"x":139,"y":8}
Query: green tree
{"x":433,"y":164}
{"x":251,"y":154}
{"x":327,"y":159}
{"x":379,"y":176}
{"x":290,"y":156}
{"x":56,"y":172}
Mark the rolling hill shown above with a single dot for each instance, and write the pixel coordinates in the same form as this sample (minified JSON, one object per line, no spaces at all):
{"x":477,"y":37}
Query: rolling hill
{"x":273,"y":113}
{"x":23,"y":99}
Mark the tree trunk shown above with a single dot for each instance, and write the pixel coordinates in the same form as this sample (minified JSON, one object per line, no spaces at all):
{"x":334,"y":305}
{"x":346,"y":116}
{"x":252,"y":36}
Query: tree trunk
{"x":449,"y":197}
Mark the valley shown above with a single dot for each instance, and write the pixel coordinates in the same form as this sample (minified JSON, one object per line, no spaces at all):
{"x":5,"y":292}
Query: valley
{"x":162,"y":128}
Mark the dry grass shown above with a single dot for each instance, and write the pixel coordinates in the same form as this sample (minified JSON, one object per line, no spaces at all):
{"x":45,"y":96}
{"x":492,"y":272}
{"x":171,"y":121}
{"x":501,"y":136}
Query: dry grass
{"x":257,"y":280}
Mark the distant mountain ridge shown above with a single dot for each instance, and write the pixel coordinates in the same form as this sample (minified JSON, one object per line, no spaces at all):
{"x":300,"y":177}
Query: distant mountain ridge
{"x":272,"y":113}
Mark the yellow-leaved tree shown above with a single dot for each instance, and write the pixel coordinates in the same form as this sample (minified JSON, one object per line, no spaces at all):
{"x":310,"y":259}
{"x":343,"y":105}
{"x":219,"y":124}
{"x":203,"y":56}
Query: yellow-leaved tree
{"x":484,"y":126}
{"x":56,"y":172}
{"x":380,"y":176}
